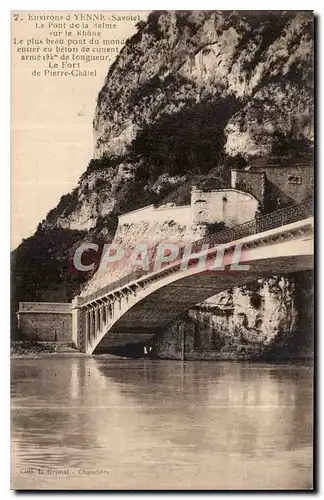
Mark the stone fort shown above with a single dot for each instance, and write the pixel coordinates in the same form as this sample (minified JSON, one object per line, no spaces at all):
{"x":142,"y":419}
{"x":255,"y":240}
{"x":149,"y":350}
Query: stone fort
{"x":263,"y":186}
{"x":50,"y":321}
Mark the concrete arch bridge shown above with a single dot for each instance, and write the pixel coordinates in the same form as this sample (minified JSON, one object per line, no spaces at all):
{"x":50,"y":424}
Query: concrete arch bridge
{"x":144,"y":303}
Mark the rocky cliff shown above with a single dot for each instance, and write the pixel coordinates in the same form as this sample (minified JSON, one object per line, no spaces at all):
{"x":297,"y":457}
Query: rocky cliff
{"x":249,"y":73}
{"x":269,"y":319}
{"x":190,"y":94}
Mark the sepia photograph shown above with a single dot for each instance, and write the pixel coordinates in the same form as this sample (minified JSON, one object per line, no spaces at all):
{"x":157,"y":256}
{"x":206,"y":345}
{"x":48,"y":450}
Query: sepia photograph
{"x":162,"y":250}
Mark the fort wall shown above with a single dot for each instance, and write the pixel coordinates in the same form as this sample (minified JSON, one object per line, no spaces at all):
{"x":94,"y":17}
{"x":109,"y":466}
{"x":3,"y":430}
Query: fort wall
{"x":45,"y":321}
{"x":181,"y":215}
{"x":230,"y":206}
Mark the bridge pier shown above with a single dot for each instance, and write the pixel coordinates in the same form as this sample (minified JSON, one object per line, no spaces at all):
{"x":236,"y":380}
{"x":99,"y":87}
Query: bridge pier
{"x":78,"y":324}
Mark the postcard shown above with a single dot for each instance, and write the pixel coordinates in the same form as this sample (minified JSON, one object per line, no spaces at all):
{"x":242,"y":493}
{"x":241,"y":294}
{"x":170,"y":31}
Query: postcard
{"x":162,"y":305}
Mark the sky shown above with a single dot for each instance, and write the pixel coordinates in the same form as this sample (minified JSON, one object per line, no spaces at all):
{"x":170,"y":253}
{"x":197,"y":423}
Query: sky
{"x":51,"y":131}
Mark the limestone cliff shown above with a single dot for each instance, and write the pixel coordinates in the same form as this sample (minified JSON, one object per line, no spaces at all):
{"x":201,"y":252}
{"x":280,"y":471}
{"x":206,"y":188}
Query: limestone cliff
{"x":262,"y":320}
{"x":253,"y":68}
{"x":189,"y":95}
{"x":150,"y":234}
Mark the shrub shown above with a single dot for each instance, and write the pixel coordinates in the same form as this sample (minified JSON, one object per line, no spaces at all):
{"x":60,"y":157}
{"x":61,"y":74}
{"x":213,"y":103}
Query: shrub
{"x":66,"y":205}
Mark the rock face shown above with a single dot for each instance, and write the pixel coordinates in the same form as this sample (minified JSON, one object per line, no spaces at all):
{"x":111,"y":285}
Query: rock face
{"x":189,"y":95}
{"x":262,"y":320}
{"x":258,"y":65}
{"x":130,"y":235}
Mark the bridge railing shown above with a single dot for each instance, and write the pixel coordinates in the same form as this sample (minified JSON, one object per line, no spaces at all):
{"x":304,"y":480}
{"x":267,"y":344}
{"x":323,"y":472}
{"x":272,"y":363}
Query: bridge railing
{"x":260,"y":224}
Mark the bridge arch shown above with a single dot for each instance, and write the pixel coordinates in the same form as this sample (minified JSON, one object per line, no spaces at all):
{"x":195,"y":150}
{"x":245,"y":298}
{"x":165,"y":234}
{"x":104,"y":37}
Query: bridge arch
{"x":154,"y":301}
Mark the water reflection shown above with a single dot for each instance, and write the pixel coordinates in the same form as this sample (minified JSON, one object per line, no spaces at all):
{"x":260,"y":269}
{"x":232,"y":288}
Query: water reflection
{"x":159,"y":424}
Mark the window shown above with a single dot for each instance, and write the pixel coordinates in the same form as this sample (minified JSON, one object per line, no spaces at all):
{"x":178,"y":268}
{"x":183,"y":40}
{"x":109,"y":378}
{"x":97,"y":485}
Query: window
{"x":294,"y":179}
{"x":224,"y":206}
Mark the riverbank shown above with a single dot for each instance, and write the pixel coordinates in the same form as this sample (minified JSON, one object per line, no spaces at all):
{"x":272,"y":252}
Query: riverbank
{"x":34,"y":349}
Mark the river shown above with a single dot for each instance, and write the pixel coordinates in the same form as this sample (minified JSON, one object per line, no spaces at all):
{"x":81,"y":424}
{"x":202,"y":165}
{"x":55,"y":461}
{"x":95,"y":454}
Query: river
{"x":99,"y":423}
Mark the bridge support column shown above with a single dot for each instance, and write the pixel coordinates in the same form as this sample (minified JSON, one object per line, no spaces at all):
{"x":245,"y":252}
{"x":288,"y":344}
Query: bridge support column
{"x":96,"y":322}
{"x":92,"y":326}
{"x":78,"y":325}
{"x":99,"y":320}
{"x":87,"y":327}
{"x":102,"y":317}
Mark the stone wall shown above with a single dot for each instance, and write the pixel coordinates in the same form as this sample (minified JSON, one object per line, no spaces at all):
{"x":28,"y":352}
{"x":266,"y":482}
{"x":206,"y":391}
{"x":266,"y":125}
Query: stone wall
{"x":228,"y":205}
{"x":250,"y":182}
{"x":269,"y":183}
{"x":179,"y":215}
{"x":292,"y":184}
{"x":45,"y":321}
